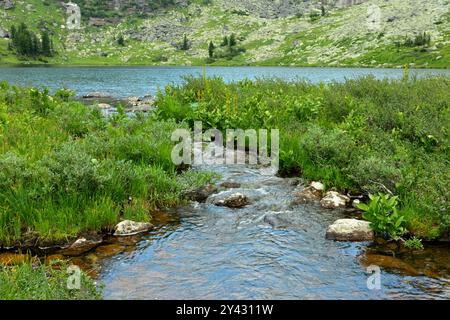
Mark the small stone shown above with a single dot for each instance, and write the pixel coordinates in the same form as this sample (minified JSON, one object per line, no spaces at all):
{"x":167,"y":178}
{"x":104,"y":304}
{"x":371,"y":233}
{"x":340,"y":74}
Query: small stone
{"x":350,"y":230}
{"x":333,"y":200}
{"x":129,"y":228}
{"x":236,"y":200}
{"x":109,"y":250}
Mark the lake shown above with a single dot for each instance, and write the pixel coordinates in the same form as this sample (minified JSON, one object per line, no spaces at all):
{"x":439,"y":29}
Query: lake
{"x":121,"y":82}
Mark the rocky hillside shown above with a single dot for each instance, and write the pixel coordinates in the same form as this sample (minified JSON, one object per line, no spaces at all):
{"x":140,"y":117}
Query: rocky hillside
{"x":266,"y":32}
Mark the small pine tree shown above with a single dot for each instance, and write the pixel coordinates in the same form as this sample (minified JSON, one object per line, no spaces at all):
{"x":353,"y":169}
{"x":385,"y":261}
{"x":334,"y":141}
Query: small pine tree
{"x":323,"y":11}
{"x":211,"y":48}
{"x":46,"y":45}
{"x":121,"y":41}
{"x":224,"y":42}
{"x":185,"y":45}
{"x":232,"y":41}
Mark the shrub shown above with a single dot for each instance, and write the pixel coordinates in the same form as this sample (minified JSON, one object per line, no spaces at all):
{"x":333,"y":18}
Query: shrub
{"x":382,"y":212}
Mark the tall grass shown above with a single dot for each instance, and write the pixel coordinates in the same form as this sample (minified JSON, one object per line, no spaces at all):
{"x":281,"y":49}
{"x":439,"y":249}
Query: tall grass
{"x":66,"y":170}
{"x":360,"y":136}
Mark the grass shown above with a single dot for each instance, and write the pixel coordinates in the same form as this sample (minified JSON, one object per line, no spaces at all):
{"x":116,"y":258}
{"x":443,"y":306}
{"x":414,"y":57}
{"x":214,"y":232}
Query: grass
{"x":66,"y":170}
{"x":362,"y":136}
{"x":30,"y":282}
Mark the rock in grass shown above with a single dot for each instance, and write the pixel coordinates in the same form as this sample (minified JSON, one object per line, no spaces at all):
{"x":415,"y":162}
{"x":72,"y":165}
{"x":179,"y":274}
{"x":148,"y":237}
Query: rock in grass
{"x":350,"y":230}
{"x":333,"y":200}
{"x":236,"y":200}
{"x":129,"y":228}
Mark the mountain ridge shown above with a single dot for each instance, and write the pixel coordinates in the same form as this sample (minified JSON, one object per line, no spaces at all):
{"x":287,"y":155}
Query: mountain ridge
{"x":285,"y":32}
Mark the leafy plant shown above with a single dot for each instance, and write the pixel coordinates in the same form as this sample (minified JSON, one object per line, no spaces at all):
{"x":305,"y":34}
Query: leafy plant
{"x":414,"y":243}
{"x":383,"y":215}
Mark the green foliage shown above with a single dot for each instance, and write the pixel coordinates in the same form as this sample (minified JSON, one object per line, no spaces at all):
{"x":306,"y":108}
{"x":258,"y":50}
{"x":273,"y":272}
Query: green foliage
{"x":30,"y":282}
{"x":382,"y":212}
{"x":65,"y":169}
{"x":414,"y":243}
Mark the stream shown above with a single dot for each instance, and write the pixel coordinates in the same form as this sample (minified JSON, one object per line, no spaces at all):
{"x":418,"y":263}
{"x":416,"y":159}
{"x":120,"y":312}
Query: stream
{"x":268,"y":250}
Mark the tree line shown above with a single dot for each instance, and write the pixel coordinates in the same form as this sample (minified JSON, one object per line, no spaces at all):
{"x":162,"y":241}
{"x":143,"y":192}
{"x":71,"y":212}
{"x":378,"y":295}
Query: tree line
{"x":27,"y":43}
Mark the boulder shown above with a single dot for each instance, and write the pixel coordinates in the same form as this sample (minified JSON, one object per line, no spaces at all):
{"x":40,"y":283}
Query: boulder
{"x":129,"y":228}
{"x":236,"y":200}
{"x":350,"y":230}
{"x":333,"y":200}
{"x":201,"y":194}
{"x":230,"y":185}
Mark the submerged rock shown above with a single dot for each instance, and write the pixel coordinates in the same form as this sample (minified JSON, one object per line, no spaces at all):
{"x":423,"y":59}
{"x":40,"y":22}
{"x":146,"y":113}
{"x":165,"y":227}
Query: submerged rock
{"x":80,"y":246}
{"x":387,"y":262}
{"x":129,"y":228}
{"x":201,"y":194}
{"x":97,"y":95}
{"x":109,"y":250}
{"x":350,"y":230}
{"x":333,"y":200}
{"x":236,"y":200}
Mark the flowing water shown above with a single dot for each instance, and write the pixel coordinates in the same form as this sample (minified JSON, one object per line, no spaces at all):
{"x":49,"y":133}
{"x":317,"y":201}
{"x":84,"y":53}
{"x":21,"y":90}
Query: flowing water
{"x":267,"y":250}
{"x":270,"y":249}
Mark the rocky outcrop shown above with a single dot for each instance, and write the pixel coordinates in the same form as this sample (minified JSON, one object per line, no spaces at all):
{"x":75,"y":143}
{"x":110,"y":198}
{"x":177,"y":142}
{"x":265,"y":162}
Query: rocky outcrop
{"x":129,"y":228}
{"x":236,"y":200}
{"x":334,"y":200}
{"x":350,"y":230}
{"x":4,"y":33}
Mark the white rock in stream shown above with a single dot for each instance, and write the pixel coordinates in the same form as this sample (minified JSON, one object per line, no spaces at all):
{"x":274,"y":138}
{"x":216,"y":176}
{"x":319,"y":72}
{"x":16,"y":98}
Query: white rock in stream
{"x":333,"y":200}
{"x":350,"y":230}
{"x":129,"y":228}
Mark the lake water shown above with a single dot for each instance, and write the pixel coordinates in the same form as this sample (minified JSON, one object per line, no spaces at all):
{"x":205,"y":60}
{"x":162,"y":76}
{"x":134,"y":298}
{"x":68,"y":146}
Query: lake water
{"x":121,"y":82}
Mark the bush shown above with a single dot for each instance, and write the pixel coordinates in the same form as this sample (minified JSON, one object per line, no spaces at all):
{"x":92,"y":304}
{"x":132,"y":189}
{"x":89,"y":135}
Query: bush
{"x":382,"y":212}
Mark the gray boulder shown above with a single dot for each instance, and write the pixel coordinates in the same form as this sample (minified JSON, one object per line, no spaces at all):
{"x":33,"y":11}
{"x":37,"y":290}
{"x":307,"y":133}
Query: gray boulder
{"x":350,"y":230}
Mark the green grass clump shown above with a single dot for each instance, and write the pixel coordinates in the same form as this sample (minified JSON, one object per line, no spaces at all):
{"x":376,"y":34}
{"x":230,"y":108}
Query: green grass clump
{"x":29,"y":282}
{"x":66,"y":170}
{"x":361,"y":136}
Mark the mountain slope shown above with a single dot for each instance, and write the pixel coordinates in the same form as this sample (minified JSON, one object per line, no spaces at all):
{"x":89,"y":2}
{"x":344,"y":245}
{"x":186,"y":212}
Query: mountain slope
{"x":284,"y":32}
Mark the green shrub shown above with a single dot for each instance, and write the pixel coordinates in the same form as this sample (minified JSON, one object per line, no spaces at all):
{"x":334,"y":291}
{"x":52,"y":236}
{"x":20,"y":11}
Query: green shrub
{"x":382,"y":212}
